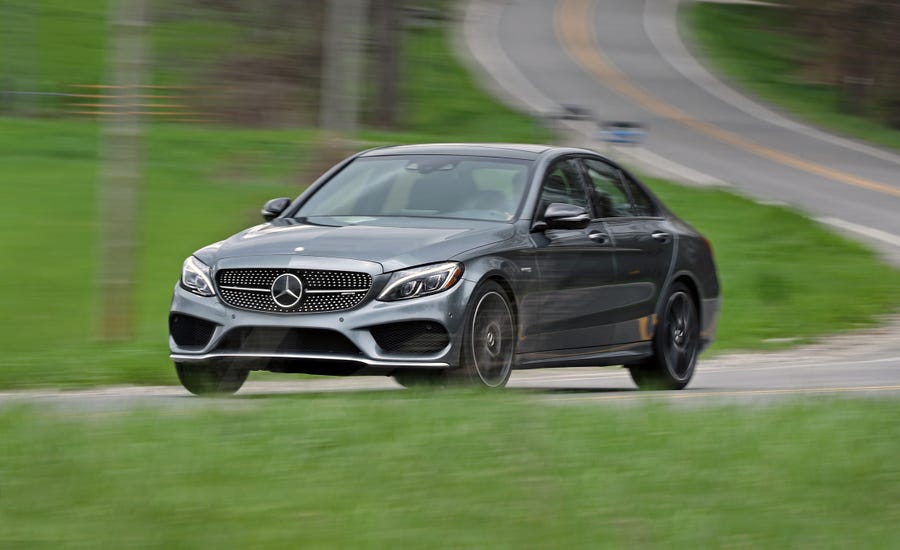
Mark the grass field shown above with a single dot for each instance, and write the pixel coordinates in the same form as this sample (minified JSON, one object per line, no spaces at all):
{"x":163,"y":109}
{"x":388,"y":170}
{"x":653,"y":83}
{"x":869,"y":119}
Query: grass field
{"x":451,"y":470}
{"x":744,"y":43}
{"x":202,"y":183}
{"x":201,"y":186}
{"x":416,"y":469}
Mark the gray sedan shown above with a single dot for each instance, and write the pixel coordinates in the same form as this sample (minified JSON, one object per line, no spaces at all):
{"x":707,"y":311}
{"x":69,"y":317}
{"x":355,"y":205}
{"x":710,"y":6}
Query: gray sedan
{"x":448,"y":263}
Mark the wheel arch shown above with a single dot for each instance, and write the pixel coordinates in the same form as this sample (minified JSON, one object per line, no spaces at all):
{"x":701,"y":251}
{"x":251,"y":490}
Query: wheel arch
{"x":688,"y":281}
{"x":691,"y":285}
{"x":508,"y":290}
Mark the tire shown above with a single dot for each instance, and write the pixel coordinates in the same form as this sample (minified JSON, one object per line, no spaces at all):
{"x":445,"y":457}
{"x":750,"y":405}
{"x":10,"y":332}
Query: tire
{"x":211,"y":379}
{"x":489,"y":340}
{"x":676,"y":344}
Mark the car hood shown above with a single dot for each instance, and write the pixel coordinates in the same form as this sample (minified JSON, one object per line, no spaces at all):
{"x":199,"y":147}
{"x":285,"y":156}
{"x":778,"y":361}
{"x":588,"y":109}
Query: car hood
{"x":395,"y":243}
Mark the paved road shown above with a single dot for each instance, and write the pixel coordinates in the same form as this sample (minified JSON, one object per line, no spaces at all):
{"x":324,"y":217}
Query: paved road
{"x":859,"y":365}
{"x":625,"y":60}
{"x":749,"y":384}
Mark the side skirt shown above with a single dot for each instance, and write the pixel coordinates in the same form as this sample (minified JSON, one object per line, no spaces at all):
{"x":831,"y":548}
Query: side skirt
{"x":586,"y":357}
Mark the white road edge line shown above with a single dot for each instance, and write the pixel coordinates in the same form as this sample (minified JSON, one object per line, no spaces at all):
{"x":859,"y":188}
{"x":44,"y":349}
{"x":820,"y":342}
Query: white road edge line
{"x":870,"y":232}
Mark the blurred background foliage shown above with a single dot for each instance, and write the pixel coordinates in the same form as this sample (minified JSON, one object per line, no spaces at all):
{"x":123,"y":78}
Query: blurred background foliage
{"x":835,"y":63}
{"x":856,"y":49}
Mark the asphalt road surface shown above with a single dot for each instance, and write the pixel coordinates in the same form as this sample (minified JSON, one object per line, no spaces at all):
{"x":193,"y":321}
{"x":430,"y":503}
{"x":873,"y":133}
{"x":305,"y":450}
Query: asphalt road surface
{"x":625,"y":60}
{"x":860,"y":365}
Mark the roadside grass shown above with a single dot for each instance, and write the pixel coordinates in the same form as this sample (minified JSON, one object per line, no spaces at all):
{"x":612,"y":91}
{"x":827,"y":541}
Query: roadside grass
{"x":450,"y":470}
{"x":51,"y":44}
{"x":743,"y":42}
{"x":782,"y":275}
{"x":202,"y":183}
{"x":444,"y":101}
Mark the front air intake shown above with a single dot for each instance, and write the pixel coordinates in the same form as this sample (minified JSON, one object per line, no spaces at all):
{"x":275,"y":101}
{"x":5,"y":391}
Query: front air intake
{"x":286,"y":340}
{"x":190,"y":332}
{"x":413,"y":337}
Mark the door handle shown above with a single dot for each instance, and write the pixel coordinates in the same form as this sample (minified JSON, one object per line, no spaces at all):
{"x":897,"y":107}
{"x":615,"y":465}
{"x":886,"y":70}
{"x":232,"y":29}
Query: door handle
{"x":661,"y":236}
{"x":598,"y":237}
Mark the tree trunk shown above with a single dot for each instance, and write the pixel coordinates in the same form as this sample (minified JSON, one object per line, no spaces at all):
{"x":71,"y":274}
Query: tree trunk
{"x":342,"y":65}
{"x":388,"y":30}
{"x":119,"y":184}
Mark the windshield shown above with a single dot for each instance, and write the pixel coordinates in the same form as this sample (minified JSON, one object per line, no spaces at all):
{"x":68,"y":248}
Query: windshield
{"x":430,"y":186}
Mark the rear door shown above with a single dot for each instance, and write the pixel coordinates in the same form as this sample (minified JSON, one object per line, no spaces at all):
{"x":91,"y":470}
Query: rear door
{"x":643,"y":243}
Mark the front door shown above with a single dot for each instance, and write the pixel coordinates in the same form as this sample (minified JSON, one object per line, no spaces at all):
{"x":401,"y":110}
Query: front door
{"x":576,"y":270}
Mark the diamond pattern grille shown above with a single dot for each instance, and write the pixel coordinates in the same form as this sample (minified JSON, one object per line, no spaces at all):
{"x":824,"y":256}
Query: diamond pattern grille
{"x":323,"y":290}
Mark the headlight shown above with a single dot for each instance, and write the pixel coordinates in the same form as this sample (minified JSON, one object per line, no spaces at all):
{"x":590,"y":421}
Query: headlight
{"x":195,"y":277}
{"x":421,"y":281}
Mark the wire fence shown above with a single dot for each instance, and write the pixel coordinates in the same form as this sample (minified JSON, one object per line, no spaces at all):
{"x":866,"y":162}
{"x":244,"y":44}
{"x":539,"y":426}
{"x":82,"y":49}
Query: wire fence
{"x":98,"y":101}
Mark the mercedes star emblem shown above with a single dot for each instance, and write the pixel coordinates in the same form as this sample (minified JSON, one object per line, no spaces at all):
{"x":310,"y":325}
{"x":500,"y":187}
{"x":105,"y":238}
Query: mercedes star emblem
{"x":287,"y":290}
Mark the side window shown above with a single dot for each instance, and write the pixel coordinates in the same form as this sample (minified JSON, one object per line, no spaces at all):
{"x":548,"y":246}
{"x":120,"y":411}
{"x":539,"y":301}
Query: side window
{"x":563,"y":184}
{"x":643,"y":205}
{"x":608,"y":195}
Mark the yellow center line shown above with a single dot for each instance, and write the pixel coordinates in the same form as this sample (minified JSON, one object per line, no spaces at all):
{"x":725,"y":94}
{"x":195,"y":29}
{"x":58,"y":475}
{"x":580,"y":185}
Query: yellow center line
{"x":575,"y":31}
{"x":728,"y":393}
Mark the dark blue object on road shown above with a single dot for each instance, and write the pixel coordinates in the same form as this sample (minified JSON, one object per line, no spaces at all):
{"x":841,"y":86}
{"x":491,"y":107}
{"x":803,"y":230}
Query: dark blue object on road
{"x":621,"y":132}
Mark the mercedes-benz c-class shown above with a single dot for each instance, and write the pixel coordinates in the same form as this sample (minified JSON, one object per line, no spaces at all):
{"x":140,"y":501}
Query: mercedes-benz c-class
{"x":449,"y":263}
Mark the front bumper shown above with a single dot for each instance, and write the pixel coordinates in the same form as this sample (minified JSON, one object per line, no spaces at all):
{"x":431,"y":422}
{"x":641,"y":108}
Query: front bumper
{"x":446,"y":309}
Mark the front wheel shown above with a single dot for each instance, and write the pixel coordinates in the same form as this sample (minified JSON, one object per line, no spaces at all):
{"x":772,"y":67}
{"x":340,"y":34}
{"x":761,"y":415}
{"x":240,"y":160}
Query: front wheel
{"x":211,"y":379}
{"x":676,"y":345}
{"x":489,"y":340}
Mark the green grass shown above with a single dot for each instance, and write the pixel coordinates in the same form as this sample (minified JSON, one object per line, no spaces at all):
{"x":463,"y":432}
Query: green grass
{"x":53,"y":43}
{"x":745,"y":44}
{"x":198,"y":186}
{"x":444,"y":100}
{"x":450,"y":470}
{"x":778,"y":269}
{"x":202,"y":183}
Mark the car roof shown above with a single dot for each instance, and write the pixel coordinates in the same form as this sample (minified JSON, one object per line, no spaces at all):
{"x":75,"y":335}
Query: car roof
{"x":502,"y":150}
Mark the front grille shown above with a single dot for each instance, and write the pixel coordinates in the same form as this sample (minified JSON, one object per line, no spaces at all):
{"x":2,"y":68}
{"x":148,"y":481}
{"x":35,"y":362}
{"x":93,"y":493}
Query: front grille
{"x":411,"y":337}
{"x":286,"y":340}
{"x":190,"y":331}
{"x":323,"y":290}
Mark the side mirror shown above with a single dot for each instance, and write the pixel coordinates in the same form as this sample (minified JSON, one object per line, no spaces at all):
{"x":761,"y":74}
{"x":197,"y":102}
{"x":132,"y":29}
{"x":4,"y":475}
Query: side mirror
{"x":274,"y":208}
{"x":564,"y":216}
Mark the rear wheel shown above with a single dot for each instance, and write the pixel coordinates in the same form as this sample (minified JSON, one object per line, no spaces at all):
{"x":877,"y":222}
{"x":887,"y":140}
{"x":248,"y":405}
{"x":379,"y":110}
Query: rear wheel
{"x":489,"y":340}
{"x":211,"y":379}
{"x":676,"y":345}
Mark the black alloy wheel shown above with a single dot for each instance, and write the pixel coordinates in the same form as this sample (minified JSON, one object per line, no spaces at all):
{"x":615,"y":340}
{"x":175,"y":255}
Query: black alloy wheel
{"x":211,"y":379}
{"x":676,"y":345}
{"x":489,"y":341}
